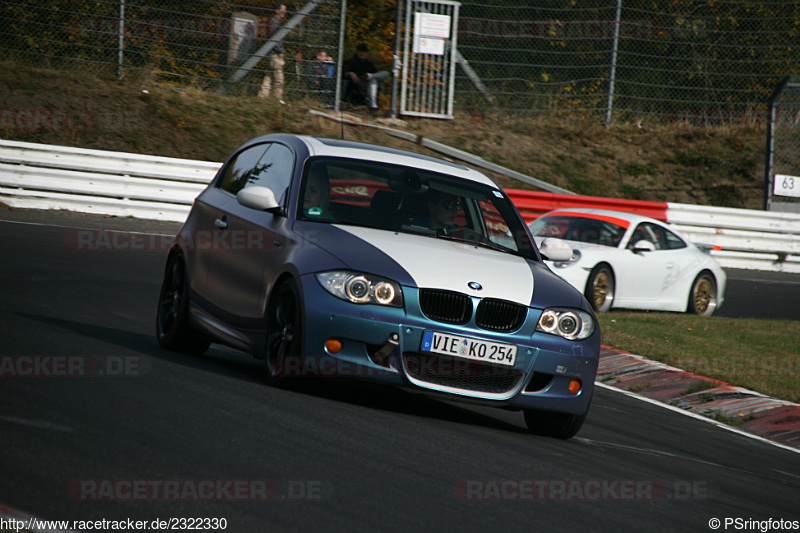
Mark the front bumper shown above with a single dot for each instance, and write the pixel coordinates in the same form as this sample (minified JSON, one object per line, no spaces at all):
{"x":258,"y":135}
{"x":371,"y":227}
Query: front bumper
{"x":382,"y":344}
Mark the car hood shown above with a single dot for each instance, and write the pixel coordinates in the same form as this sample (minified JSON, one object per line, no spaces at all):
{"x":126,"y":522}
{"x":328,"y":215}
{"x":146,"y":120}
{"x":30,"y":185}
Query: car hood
{"x":427,"y":262}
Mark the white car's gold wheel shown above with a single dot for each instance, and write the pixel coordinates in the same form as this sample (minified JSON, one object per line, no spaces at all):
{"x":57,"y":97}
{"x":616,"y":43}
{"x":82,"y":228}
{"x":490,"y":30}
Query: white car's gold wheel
{"x":600,"y":288}
{"x":703,"y":296}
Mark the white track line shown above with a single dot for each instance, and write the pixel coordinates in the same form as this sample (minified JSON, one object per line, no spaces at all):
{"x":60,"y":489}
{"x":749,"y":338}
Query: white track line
{"x":698,"y":417}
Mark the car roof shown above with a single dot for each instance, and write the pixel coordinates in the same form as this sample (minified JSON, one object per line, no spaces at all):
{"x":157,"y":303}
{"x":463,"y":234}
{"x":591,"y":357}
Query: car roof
{"x":631,"y":218}
{"x":320,"y":146}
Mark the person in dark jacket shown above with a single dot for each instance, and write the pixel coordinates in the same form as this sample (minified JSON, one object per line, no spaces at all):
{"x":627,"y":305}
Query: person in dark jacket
{"x":320,"y":76}
{"x":361,"y":72}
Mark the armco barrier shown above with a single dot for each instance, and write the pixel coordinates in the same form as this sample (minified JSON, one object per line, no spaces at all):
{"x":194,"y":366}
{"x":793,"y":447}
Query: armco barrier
{"x":41,"y":176}
{"x":160,"y":188}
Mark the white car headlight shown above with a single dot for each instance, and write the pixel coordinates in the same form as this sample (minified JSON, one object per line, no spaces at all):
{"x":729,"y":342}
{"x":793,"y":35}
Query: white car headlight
{"x":361,"y":288}
{"x":572,"y":324}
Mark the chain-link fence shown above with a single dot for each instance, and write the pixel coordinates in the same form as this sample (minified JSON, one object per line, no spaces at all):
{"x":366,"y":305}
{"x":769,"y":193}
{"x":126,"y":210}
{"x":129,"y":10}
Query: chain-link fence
{"x":698,"y":62}
{"x":203,"y":43}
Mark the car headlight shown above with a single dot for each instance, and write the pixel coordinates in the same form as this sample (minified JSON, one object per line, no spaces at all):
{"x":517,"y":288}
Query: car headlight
{"x":361,"y":288}
{"x":572,"y":324}
{"x":576,"y":256}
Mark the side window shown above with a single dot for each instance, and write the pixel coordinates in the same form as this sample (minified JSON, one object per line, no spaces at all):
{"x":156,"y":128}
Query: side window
{"x":237,"y":173}
{"x":644,"y":232}
{"x":662,"y":238}
{"x":274,"y":171}
{"x":673,"y":242}
{"x":266,"y":165}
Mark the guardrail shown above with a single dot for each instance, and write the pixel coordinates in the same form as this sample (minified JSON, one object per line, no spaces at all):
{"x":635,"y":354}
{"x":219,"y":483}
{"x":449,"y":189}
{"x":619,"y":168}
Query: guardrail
{"x":41,"y":176}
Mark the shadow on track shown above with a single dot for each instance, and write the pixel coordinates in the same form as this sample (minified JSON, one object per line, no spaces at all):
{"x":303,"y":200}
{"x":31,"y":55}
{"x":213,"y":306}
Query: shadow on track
{"x":237,"y":365}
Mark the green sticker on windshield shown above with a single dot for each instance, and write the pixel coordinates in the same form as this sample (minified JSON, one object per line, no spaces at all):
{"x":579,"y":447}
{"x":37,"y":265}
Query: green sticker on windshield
{"x":314,"y":211}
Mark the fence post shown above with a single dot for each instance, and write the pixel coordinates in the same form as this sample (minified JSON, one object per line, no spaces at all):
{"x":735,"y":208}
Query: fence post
{"x":337,"y":100}
{"x":771,"y":115}
{"x":121,"y":37}
{"x":613,"y":73}
{"x":396,"y":61}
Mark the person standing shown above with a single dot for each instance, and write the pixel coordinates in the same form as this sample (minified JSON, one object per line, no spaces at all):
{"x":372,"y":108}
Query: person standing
{"x":362,"y":72}
{"x":320,"y":77}
{"x":275,"y":59}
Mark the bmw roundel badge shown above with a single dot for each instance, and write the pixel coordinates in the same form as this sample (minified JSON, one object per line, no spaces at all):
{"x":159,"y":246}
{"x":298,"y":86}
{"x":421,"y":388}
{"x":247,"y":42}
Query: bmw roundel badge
{"x":474,"y":285}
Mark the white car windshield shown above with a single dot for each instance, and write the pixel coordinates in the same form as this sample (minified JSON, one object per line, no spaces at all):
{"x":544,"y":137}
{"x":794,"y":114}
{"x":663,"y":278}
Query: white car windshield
{"x":411,"y":200}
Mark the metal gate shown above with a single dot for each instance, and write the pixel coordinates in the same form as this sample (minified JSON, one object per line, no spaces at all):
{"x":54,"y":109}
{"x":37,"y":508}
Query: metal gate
{"x":429,"y":58}
{"x":782,"y":181}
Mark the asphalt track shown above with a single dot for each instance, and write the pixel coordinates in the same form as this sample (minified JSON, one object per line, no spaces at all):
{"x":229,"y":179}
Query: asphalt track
{"x":336,"y":455}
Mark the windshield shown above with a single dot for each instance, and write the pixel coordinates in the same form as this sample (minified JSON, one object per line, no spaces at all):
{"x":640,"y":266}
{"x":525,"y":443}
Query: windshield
{"x":410,"y":200}
{"x":606,"y":231}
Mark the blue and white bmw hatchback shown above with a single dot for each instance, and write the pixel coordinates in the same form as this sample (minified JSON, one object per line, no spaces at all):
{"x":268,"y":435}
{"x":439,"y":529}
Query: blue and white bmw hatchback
{"x":335,"y":258}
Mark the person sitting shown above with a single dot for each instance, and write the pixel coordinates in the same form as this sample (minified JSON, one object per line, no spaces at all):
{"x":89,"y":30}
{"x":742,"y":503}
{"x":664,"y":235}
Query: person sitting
{"x":361,"y":75}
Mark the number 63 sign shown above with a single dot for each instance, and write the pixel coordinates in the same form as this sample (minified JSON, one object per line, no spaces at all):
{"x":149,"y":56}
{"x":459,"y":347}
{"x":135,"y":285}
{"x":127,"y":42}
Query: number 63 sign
{"x":786,"y":185}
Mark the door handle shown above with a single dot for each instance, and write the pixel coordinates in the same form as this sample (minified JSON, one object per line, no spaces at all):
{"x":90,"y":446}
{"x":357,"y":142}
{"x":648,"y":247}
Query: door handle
{"x":221,"y":223}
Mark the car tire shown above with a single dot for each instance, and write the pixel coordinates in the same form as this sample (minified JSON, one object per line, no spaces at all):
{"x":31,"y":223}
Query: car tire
{"x":284,"y":329}
{"x":173,"y":328}
{"x":703,"y":295}
{"x":549,"y":424}
{"x":600,"y":288}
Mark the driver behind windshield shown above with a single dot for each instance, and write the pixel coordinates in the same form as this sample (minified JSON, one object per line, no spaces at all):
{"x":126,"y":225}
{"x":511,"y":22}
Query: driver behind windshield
{"x":442,"y":210}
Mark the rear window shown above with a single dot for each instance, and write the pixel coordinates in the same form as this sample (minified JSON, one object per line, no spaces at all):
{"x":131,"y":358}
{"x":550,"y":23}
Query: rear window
{"x":590,"y":230}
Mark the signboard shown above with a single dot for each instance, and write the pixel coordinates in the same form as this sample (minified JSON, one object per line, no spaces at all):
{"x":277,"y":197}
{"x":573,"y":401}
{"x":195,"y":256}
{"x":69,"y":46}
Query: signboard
{"x":786,"y":185}
{"x":430,"y":33}
{"x":244,"y":29}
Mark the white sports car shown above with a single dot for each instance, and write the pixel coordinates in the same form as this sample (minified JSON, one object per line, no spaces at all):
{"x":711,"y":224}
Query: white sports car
{"x":622,"y":260}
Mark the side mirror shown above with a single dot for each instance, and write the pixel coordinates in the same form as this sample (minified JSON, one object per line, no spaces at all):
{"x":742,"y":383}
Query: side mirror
{"x":643,"y":246}
{"x":260,"y":198}
{"x":555,"y":249}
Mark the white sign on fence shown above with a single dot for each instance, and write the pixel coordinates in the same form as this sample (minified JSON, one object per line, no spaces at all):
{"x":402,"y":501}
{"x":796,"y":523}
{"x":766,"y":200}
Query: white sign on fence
{"x":430,"y":32}
{"x":786,"y":185}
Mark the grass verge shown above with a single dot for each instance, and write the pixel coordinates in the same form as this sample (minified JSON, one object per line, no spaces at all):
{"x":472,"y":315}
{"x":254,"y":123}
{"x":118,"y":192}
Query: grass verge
{"x":761,"y":355}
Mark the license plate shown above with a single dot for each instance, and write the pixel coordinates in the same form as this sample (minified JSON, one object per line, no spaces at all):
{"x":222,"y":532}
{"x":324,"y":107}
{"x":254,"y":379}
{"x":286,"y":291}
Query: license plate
{"x":468,"y":348}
